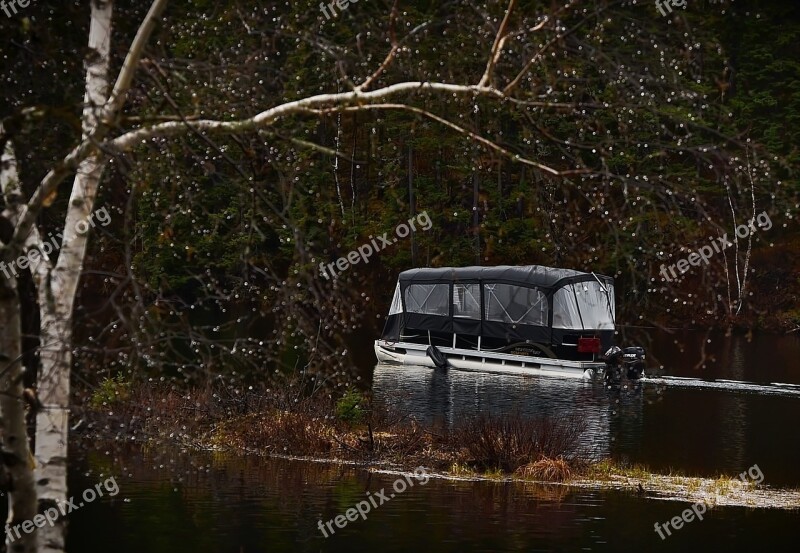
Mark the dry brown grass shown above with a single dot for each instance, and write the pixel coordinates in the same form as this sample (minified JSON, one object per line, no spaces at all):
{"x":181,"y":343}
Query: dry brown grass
{"x":546,"y":470}
{"x":281,"y":432}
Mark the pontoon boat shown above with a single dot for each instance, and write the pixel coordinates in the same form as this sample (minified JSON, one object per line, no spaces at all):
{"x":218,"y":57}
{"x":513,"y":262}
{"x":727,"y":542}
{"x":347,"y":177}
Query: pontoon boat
{"x":529,"y":320}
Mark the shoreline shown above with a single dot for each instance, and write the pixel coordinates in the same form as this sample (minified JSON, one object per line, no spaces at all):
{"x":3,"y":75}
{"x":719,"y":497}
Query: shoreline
{"x":351,"y":432}
{"x":724,"y":491}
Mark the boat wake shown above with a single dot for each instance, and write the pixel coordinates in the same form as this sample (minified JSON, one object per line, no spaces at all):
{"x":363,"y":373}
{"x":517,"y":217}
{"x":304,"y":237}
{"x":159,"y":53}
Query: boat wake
{"x":772,"y":388}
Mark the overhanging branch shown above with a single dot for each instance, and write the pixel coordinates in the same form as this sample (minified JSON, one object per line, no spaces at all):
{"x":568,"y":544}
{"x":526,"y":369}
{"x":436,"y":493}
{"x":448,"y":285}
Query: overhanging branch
{"x":466,"y":132}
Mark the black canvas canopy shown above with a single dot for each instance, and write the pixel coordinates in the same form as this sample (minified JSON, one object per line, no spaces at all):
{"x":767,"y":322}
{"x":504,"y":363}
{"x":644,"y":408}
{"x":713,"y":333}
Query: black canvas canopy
{"x":513,"y":303}
{"x":539,"y":276}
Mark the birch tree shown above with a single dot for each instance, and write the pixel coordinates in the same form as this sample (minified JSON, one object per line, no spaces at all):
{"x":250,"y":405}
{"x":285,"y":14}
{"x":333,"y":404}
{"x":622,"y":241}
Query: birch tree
{"x":56,"y":283}
{"x":22,"y":502}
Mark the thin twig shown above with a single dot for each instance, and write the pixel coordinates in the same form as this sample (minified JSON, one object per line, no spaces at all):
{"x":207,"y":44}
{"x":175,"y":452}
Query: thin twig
{"x":497,"y":47}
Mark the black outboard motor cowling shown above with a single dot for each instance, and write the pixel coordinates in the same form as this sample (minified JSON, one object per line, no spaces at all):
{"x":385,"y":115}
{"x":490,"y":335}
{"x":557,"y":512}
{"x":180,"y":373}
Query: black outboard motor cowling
{"x":628,"y":361}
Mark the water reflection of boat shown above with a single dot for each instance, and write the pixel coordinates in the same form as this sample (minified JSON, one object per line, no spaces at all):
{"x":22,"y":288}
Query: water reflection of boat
{"x":438,"y":397}
{"x":522,"y":320}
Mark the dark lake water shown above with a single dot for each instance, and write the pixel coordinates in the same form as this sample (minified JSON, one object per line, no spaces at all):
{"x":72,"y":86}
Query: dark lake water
{"x":222,"y":505}
{"x":177,"y":501}
{"x":736,"y":412}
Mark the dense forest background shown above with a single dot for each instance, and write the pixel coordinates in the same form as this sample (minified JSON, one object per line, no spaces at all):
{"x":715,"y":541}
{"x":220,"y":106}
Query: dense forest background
{"x":677,"y":128}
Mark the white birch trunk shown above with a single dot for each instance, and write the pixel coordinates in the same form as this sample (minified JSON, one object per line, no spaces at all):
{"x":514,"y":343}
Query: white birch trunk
{"x":57,"y":295}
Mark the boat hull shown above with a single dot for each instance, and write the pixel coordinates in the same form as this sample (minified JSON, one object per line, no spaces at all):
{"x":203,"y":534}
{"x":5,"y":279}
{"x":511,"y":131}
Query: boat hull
{"x":406,"y":353}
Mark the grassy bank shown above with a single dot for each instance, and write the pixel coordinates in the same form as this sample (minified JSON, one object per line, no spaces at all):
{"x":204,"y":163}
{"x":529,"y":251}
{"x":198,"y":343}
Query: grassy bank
{"x":287,"y":422}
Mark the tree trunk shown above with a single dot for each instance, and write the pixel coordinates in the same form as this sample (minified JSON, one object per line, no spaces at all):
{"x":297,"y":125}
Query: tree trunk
{"x":57,"y":296}
{"x":52,"y":424}
{"x":22,"y":499}
{"x":22,"y":496}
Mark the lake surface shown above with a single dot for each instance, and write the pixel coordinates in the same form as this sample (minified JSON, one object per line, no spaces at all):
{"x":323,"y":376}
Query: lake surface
{"x":216,"y":504}
{"x":175,"y":501}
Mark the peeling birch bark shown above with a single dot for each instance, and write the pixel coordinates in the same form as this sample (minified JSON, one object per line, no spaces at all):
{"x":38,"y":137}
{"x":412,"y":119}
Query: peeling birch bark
{"x":57,"y":296}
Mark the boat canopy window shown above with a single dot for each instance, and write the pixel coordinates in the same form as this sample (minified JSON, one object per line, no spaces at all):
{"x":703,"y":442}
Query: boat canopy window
{"x":467,"y":301}
{"x":397,"y":304}
{"x":515,"y":304}
{"x":584,"y":305}
{"x":429,"y":299}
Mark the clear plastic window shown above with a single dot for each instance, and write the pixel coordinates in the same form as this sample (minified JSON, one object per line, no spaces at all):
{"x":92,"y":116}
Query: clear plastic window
{"x":467,"y":301}
{"x":584,"y":305}
{"x":515,"y":304}
{"x":597,"y":304}
{"x":430,"y":299}
{"x":397,"y":305}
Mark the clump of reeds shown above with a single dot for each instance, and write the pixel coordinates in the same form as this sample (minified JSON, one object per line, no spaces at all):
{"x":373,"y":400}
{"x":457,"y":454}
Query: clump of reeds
{"x":546,"y":469}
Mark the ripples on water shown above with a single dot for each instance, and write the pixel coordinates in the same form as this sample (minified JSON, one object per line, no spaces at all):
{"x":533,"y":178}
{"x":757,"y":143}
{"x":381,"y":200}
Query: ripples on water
{"x":773,"y":388}
{"x":720,"y":419}
{"x":436,"y":397}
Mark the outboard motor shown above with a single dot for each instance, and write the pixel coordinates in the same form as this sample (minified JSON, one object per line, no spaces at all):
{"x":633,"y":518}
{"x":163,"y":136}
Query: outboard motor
{"x":628,"y":361}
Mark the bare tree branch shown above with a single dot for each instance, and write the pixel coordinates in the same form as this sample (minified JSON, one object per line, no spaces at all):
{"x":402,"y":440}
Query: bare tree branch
{"x":488,"y":143}
{"x":497,"y":47}
{"x":117,"y":98}
{"x":515,"y":81}
{"x":392,"y":52}
{"x":268,"y":117}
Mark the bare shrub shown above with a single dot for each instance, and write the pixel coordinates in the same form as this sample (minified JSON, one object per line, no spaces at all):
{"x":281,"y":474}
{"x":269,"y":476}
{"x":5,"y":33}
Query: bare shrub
{"x":509,"y":441}
{"x":289,"y":433}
